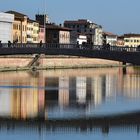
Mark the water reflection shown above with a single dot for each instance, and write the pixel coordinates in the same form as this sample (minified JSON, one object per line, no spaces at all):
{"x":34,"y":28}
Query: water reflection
{"x":56,"y":95}
{"x":79,"y":100}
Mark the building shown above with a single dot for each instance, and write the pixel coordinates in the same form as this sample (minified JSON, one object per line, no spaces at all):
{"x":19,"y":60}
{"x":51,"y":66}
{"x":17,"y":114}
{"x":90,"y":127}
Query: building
{"x":131,"y":40}
{"x":57,"y":34}
{"x":6,"y":27}
{"x":35,"y":32}
{"x":42,"y":34}
{"x":109,"y":38}
{"x":19,"y":27}
{"x":120,"y":41}
{"x":32,"y":31}
{"x":90,"y":29}
{"x":98,"y":36}
{"x":82,"y":39}
{"x":42,"y":19}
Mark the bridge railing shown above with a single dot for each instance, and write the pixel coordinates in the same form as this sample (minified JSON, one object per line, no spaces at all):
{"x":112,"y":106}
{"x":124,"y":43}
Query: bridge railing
{"x":69,"y":46}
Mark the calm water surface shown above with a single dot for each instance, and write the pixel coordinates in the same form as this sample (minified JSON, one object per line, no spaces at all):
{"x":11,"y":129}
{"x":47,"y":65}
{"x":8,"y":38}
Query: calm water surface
{"x":102,"y":104}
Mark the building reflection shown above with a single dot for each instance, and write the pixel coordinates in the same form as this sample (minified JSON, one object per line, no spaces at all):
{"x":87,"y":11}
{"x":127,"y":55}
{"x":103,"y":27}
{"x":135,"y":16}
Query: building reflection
{"x":63,"y":91}
{"x":131,"y":86}
{"x":64,"y":96}
{"x":24,"y":101}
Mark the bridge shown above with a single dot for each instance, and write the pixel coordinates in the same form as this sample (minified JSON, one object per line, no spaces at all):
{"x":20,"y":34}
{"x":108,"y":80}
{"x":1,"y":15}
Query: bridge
{"x":122,"y":54}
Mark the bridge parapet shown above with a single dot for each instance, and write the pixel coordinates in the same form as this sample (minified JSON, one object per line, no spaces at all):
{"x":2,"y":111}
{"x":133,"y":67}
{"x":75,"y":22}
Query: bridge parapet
{"x":122,"y":54}
{"x":69,"y":46}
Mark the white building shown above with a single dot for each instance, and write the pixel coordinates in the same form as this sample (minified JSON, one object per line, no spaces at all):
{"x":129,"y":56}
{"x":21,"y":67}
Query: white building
{"x":98,"y":38}
{"x":110,"y":38}
{"x":6,"y":27}
{"x":92,"y":30}
{"x":82,"y":39}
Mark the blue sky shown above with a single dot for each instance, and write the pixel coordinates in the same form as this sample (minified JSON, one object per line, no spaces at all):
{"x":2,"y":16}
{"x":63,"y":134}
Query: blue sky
{"x":117,"y":16}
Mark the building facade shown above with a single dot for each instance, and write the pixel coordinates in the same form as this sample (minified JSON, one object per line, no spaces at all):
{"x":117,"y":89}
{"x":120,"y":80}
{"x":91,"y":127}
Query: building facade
{"x":120,"y":41}
{"x":57,"y":34}
{"x":42,"y":19}
{"x":42,"y":34}
{"x":131,"y":40}
{"x":19,"y":27}
{"x":88,"y":28}
{"x":82,"y":39}
{"x":109,"y":38}
{"x":35,"y":32}
{"x":30,"y":31}
{"x":6,"y":27}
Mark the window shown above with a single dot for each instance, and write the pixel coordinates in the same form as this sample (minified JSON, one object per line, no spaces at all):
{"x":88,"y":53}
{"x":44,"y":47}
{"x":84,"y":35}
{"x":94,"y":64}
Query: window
{"x":23,"y":27}
{"x":34,"y":39}
{"x":41,"y":30}
{"x":14,"y":26}
{"x":19,"y":39}
{"x":126,"y":40}
{"x":54,"y":35}
{"x":19,"y":27}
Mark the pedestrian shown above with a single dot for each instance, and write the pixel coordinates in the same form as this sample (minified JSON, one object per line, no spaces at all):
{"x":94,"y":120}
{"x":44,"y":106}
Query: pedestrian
{"x":9,"y":44}
{"x":77,"y":44}
{"x":138,"y":47}
{"x":40,"y":44}
{"x":107,"y":46}
{"x":0,"y":44}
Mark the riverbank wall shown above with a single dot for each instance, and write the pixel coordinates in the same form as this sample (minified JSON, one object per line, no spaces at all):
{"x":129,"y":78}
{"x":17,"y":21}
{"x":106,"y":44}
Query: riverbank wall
{"x":52,"y":62}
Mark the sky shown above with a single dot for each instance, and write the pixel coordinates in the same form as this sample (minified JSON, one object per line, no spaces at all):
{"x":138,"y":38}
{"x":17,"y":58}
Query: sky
{"x":116,"y":16}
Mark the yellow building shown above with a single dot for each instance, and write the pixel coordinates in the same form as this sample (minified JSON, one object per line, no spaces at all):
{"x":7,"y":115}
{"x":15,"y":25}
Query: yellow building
{"x":35,"y":32}
{"x":32,"y":31}
{"x":131,"y":40}
{"x":19,"y":27}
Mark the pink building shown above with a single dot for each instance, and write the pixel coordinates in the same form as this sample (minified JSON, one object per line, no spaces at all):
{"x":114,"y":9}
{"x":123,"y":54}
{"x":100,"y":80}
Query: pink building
{"x":41,"y":34}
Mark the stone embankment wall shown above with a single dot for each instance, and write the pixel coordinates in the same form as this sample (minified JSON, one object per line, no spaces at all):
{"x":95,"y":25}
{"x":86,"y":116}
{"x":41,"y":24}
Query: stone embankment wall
{"x":76,"y":62}
{"x":53,"y":62}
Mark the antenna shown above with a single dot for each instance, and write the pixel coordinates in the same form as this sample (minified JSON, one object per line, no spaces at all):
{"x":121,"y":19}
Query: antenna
{"x":38,"y":11}
{"x":45,"y":20}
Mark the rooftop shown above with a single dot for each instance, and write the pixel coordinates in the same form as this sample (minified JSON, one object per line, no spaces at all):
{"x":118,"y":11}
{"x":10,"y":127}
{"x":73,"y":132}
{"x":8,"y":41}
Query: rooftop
{"x":56,"y":27}
{"x":131,"y":35}
{"x":17,"y":14}
{"x":109,"y":34}
{"x":79,"y":21}
{"x":31,"y":20}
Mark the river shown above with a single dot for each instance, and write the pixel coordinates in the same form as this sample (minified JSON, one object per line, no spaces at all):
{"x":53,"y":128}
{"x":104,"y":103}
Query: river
{"x":99,"y":103}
